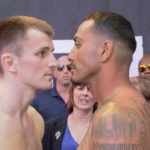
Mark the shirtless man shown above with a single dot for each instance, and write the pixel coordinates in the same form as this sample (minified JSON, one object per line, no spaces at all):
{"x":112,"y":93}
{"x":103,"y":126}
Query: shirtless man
{"x":27,"y":63}
{"x":101,"y":56}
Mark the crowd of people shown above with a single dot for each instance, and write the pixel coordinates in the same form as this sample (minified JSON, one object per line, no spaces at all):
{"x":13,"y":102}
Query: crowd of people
{"x":84,"y":100}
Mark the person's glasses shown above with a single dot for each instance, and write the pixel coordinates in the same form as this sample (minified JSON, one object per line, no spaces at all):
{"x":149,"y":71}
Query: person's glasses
{"x":61,"y":67}
{"x":142,"y":68}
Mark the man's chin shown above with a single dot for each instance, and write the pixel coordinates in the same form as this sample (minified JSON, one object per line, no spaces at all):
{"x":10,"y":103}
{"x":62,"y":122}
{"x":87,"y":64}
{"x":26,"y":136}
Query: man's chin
{"x":66,"y":84}
{"x":77,"y":82}
{"x":46,"y":87}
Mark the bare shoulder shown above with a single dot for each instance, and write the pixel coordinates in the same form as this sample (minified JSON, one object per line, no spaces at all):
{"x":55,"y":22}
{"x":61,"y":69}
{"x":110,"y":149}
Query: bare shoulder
{"x":118,"y":126}
{"x":38,"y":120}
{"x":122,"y":123}
{"x":35,"y":114}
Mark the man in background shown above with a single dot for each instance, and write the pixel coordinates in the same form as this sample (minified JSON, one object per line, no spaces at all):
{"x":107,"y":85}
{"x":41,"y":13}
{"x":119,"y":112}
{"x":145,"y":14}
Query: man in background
{"x":52,"y":103}
{"x":27,"y":64}
{"x":101,"y":57}
{"x":144,"y":67}
{"x":142,"y":85}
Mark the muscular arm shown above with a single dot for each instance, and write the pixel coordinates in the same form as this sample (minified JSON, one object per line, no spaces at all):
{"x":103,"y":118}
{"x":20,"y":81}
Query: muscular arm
{"x":116,"y":130}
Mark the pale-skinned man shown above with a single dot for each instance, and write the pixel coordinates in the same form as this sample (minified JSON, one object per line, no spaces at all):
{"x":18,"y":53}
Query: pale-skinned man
{"x":27,"y":64}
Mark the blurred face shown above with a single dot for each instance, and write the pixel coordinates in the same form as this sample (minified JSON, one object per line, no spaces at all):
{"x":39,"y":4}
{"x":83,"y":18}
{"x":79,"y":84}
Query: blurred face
{"x":36,"y":63}
{"x":63,"y":71}
{"x":83,"y":98}
{"x":144,"y":68}
{"x":83,"y":55}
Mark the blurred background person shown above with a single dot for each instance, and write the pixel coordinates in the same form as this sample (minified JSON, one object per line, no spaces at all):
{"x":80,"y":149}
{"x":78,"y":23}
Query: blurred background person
{"x":66,"y":132}
{"x":52,"y":103}
{"x":142,"y":85}
{"x":144,"y":67}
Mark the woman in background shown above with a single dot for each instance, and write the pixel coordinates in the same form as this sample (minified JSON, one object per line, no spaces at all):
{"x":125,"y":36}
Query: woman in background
{"x":66,"y":132}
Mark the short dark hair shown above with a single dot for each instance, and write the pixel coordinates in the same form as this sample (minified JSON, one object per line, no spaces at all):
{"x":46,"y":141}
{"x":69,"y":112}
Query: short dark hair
{"x":13,"y":30}
{"x":115,"y":26}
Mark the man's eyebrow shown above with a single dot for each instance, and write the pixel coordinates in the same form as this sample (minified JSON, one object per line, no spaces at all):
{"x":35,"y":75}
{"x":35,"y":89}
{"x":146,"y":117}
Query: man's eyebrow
{"x":48,"y":48}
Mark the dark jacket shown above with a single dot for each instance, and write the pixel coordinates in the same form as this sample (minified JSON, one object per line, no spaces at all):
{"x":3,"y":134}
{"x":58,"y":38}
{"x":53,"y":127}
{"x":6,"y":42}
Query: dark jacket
{"x":49,"y":104}
{"x":54,"y":132}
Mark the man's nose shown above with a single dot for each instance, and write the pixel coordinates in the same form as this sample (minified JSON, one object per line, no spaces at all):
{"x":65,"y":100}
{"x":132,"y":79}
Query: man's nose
{"x":52,"y":61}
{"x":71,"y":55}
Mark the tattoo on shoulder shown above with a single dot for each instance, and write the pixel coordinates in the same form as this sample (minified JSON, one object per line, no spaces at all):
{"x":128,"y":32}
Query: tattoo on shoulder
{"x":125,"y":126}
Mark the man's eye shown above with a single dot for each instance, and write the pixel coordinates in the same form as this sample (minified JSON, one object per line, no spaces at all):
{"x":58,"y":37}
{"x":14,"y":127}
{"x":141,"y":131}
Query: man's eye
{"x":77,"y":44}
{"x":42,"y":53}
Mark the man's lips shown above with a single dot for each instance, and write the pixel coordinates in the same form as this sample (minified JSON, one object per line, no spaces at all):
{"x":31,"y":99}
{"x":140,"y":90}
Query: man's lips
{"x":48,"y":75}
{"x":65,"y":77}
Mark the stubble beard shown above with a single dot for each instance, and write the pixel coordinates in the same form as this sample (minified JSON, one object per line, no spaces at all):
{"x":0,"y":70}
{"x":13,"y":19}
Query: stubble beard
{"x":66,"y":84}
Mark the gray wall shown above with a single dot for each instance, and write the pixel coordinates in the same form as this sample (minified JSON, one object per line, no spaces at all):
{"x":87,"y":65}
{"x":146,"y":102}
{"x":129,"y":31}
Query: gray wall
{"x":66,"y":15}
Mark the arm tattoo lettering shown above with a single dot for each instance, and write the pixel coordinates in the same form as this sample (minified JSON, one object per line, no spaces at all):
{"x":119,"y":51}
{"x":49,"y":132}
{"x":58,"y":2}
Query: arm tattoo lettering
{"x":104,"y":146}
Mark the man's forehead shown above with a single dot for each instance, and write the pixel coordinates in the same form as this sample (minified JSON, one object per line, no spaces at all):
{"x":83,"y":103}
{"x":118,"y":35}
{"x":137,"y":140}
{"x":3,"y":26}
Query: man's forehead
{"x":146,"y":60}
{"x":86,"y":24}
{"x":85,"y":28}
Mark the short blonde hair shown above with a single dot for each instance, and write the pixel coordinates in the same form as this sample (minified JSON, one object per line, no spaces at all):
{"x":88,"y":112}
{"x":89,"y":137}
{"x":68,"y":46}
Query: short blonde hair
{"x":13,"y":30}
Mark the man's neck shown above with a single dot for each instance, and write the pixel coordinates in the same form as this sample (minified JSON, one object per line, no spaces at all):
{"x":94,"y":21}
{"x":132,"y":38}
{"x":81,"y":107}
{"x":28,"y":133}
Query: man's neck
{"x":14,"y":99}
{"x":61,"y":88}
{"x":63,"y":91}
{"x":104,"y":88}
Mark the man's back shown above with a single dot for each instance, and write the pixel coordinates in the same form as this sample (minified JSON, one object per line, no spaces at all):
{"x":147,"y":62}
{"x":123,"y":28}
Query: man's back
{"x":122,"y":122}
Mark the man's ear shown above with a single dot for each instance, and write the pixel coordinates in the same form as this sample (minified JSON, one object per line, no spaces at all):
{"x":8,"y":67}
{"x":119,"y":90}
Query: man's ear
{"x":105,"y":51}
{"x":8,"y":61}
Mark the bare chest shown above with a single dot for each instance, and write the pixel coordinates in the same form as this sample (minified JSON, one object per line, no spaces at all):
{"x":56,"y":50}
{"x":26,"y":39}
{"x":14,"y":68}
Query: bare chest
{"x":18,"y":136}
